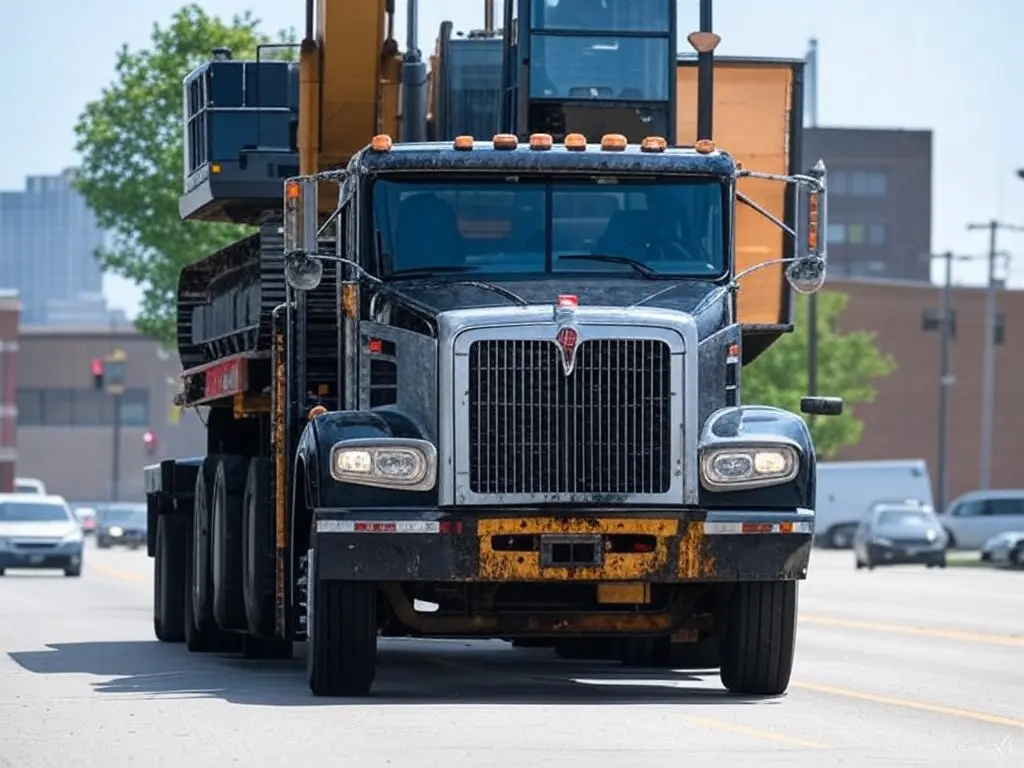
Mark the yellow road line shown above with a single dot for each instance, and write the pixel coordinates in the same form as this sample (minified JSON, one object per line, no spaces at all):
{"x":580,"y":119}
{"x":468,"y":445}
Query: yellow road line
{"x":115,"y":573}
{"x":757,"y":733}
{"x":923,"y":706}
{"x":1015,"y":641}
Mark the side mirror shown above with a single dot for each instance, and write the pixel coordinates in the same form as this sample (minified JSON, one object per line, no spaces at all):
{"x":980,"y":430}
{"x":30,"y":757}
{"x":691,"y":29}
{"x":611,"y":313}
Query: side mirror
{"x":302,"y":270}
{"x":806,"y":274}
{"x":821,"y":406}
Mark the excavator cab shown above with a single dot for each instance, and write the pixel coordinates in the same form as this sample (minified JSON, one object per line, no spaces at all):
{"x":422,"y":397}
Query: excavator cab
{"x":589,"y":66}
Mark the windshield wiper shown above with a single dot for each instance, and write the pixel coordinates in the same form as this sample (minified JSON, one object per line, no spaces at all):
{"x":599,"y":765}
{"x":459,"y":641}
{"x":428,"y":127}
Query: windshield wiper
{"x":431,"y":271}
{"x":637,"y":266}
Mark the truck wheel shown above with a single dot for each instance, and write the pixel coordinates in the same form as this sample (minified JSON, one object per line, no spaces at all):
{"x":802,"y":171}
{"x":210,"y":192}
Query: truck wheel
{"x":760,"y":638}
{"x":201,"y":635}
{"x":341,"y":632}
{"x":169,"y":580}
{"x":226,"y":542}
{"x":645,"y":651}
{"x":265,"y":648}
{"x":200,"y":585}
{"x":259,"y":555}
{"x":700,"y":655}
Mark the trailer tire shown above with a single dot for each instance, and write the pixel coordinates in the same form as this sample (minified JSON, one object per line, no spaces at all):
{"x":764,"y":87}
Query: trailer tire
{"x":341,"y":632}
{"x":200,"y":584}
{"x":169,"y":579}
{"x":226,"y":542}
{"x":259,"y":555}
{"x":759,"y":641}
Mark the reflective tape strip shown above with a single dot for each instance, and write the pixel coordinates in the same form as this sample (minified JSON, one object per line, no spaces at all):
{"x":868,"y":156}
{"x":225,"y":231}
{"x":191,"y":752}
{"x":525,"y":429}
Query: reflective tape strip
{"x":377,"y":526}
{"x":719,"y":529}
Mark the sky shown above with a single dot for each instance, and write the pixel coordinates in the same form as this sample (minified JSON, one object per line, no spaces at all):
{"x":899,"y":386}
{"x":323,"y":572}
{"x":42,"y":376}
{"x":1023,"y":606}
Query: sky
{"x":951,"y":66}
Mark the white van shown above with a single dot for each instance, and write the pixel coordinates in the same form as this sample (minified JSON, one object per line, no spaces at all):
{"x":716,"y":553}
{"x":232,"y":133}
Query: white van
{"x":29,"y":485}
{"x":846,"y":490}
{"x":975,"y":517}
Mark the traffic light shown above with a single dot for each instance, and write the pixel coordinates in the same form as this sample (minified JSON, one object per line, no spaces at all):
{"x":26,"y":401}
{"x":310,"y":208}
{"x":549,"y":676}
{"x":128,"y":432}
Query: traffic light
{"x":151,"y":443}
{"x":97,"y":373}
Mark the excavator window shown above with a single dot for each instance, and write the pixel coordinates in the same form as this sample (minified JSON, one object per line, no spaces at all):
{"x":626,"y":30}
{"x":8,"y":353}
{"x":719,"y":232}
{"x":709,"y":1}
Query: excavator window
{"x":584,"y":15}
{"x":600,"y":68}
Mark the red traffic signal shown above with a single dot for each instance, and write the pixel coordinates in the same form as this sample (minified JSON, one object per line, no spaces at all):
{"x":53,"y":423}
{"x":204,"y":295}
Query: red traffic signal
{"x":150,"y":441}
{"x":97,"y":373}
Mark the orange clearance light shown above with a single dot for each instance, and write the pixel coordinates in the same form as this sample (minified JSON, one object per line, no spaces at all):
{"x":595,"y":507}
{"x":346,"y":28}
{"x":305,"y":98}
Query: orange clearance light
{"x":576,"y":142}
{"x":812,"y":222}
{"x":505,"y":141}
{"x":568,"y":300}
{"x":613,"y":141}
{"x":463,"y":143}
{"x":381,"y":143}
{"x":653,"y":144}
{"x":316,"y":410}
{"x":541,"y":141}
{"x":705,"y":146}
{"x":292,"y":191}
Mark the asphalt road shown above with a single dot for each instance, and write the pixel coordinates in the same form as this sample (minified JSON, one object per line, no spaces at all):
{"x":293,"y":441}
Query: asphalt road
{"x":900,"y":666}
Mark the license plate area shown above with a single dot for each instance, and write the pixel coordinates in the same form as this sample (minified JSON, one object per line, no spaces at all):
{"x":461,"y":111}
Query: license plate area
{"x":571,"y":550}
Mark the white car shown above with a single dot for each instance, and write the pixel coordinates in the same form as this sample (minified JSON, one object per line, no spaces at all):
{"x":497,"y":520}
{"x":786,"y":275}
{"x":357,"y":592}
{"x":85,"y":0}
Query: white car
{"x":39,"y":532}
{"x":1005,"y":549}
{"x":976,"y":517}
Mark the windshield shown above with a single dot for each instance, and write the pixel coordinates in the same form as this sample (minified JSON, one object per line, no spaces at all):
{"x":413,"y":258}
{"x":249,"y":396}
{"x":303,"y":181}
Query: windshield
{"x":902,"y":517}
{"x":518,"y":227}
{"x":134,"y":514}
{"x":28,"y":512}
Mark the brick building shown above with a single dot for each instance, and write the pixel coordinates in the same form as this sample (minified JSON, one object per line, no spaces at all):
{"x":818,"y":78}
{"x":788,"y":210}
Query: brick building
{"x":902,"y":422}
{"x":66,"y":426}
{"x":9,"y":310}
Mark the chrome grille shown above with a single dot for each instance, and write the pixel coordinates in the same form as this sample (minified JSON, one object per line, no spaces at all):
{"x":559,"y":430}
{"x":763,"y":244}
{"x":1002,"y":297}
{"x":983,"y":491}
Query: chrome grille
{"x":604,"y":429}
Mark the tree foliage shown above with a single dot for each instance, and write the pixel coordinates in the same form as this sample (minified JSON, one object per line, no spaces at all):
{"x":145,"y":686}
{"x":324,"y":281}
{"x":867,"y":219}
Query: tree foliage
{"x":131,"y":144}
{"x":848,"y":365}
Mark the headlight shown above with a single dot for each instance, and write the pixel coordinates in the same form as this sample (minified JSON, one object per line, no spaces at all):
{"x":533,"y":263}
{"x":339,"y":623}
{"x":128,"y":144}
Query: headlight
{"x":399,"y":463}
{"x":115,"y":531}
{"x":931,"y":536}
{"x":72,"y":538}
{"x":737,"y":468}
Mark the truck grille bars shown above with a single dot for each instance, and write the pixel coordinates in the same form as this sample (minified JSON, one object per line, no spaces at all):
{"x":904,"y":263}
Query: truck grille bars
{"x":605,"y":428}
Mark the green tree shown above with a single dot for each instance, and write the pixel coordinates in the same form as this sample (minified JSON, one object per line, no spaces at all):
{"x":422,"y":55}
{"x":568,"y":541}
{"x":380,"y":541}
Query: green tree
{"x":848,"y":364}
{"x":130,"y":140}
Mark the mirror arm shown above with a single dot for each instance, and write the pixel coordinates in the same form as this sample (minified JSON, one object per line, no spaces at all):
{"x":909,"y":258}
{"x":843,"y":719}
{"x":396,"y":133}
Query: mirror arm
{"x":767,"y":214}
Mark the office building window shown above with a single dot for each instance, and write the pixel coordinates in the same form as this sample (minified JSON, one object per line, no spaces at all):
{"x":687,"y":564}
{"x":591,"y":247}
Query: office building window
{"x":80,"y":408}
{"x":839,"y":183}
{"x":855,"y":234}
{"x":836,"y":234}
{"x":876,"y":234}
{"x":868,"y":184}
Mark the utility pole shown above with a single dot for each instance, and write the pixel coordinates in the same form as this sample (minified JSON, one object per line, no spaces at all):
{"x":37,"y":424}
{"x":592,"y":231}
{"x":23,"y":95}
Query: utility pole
{"x":113,"y":379}
{"x":988,"y":363}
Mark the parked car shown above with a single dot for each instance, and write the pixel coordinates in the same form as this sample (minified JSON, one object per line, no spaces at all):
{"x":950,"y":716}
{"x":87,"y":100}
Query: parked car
{"x":899,"y":534}
{"x":38,"y":531}
{"x":974,"y":518}
{"x":1005,"y":549}
{"x":29,"y":485}
{"x":846,"y":491}
{"x":121,"y":524}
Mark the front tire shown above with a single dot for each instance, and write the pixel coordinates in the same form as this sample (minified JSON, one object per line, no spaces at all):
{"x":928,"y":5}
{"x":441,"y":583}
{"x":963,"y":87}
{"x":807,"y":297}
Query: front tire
{"x":341,"y":630}
{"x":759,"y":642}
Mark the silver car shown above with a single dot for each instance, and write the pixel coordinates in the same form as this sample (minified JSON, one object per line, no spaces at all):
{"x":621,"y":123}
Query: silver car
{"x":1005,"y":549}
{"x":900,"y":534}
{"x":39,"y":532}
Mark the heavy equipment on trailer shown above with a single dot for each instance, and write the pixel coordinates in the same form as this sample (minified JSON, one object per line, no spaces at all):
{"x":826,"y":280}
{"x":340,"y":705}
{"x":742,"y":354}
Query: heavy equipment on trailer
{"x":499,"y":374}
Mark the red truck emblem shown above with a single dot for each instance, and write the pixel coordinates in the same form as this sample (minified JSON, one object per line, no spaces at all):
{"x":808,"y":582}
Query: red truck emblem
{"x":566,"y":338}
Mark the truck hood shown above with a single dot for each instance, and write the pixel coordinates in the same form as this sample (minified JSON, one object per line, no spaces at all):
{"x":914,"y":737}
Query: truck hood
{"x":50,"y":529}
{"x":707,"y":302}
